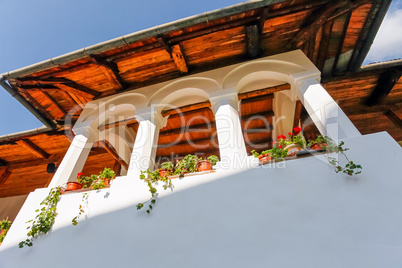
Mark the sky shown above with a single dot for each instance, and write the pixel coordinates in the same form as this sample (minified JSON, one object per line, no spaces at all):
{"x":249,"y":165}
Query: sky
{"x":33,"y":31}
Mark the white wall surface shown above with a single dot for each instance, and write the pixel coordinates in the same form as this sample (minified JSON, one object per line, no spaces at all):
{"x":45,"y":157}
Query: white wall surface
{"x":297,"y":214}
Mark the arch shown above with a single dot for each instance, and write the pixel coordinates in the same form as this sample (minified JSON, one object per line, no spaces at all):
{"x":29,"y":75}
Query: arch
{"x":98,"y":113}
{"x":196,"y":87}
{"x":264,"y":69}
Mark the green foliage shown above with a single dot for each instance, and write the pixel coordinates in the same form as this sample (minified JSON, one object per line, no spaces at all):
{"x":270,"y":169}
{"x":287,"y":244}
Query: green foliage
{"x":4,"y":226}
{"x":167,"y":165}
{"x":87,"y":181}
{"x":107,"y":173}
{"x":44,"y":221}
{"x":98,"y":184}
{"x":213,"y":159}
{"x":187,"y":165}
{"x":275,"y":153}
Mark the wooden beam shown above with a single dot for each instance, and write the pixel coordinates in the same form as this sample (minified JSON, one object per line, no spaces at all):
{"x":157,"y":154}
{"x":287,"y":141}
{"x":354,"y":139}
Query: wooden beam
{"x":262,"y":92}
{"x":35,"y":104}
{"x":318,"y":18}
{"x":298,"y":110}
{"x":324,"y":45}
{"x":117,"y":168}
{"x":341,"y":42}
{"x":33,"y":148}
{"x":111,"y":71}
{"x":257,"y":98}
{"x":162,"y":41}
{"x":179,"y":58}
{"x":108,"y":147}
{"x":394,"y":117}
{"x":385,"y":84}
{"x":253,"y":46}
{"x":197,"y":141}
{"x":79,"y":90}
{"x":58,"y":106}
{"x":192,"y":128}
{"x":187,"y":108}
{"x":3,"y":162}
{"x":4,"y":174}
{"x":262,"y":19}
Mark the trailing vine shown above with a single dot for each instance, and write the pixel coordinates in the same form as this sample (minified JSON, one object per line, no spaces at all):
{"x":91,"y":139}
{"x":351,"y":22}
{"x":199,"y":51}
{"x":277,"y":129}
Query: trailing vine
{"x":81,"y":209}
{"x":45,"y":218}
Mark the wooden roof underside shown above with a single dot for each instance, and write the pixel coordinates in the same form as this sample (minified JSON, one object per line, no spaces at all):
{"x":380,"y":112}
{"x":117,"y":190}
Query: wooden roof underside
{"x":333,"y":34}
{"x":332,"y":37}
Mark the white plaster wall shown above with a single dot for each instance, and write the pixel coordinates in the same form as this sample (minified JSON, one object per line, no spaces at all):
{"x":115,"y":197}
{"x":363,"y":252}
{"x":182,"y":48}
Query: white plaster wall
{"x":297,"y":214}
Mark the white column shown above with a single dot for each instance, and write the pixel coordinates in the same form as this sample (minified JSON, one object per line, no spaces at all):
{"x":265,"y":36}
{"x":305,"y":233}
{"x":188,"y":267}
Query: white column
{"x":146,"y":142}
{"x":284,"y":112}
{"x":324,"y":111}
{"x":75,"y":158}
{"x":230,"y":135}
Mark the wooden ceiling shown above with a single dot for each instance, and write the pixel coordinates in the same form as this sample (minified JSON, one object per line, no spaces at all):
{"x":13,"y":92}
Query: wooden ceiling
{"x":335,"y":35}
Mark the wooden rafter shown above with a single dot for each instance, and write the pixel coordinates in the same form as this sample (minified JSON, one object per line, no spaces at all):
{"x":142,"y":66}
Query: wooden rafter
{"x":110,"y":69}
{"x":179,"y":59}
{"x":108,"y":147}
{"x":319,"y":17}
{"x":34,"y":103}
{"x":385,"y":84}
{"x":33,"y":148}
{"x":4,"y":174}
{"x":253,"y":46}
{"x":58,"y":106}
{"x":341,"y":42}
{"x":162,"y":41}
{"x":394,"y":117}
{"x":79,"y":90}
{"x":117,"y":168}
{"x":192,"y":128}
{"x":262,"y":19}
{"x":3,"y":162}
{"x":266,"y":114}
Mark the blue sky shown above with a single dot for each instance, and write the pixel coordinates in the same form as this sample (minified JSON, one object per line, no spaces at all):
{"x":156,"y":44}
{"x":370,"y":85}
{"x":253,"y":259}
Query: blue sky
{"x":33,"y":31}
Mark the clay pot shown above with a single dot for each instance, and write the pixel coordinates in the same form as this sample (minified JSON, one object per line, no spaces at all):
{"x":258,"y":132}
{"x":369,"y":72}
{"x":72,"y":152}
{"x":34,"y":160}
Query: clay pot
{"x":293,"y":149}
{"x":164,"y":173}
{"x":318,"y":146}
{"x":264,"y":157}
{"x":73,"y":185}
{"x":204,"y":165}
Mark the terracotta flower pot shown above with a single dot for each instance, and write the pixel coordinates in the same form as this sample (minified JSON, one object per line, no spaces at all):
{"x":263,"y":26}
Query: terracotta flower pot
{"x":164,"y":173}
{"x":73,"y":185}
{"x":293,"y":149}
{"x":204,"y":165}
{"x":318,"y":146}
{"x":107,"y":182}
{"x":264,"y":157}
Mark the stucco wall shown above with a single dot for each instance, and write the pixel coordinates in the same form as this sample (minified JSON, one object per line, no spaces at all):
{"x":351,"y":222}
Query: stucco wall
{"x":297,"y":214}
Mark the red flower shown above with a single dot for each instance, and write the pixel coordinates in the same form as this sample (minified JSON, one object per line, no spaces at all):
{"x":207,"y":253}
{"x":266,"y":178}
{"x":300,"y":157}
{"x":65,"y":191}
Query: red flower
{"x":282,"y":137}
{"x":297,"y":130}
{"x":280,"y":146}
{"x":78,"y":175}
{"x":290,"y":133}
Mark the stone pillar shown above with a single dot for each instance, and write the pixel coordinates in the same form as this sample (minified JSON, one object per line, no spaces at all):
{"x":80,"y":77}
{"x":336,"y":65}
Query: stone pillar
{"x":75,"y":158}
{"x":146,"y":142}
{"x":324,"y":111}
{"x":230,"y":135}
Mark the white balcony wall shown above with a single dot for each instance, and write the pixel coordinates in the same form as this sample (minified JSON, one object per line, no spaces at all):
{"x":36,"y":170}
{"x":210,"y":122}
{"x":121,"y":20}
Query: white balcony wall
{"x":298,"y":213}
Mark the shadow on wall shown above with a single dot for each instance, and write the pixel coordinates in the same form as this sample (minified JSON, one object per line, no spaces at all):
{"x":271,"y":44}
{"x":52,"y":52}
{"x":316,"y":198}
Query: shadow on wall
{"x":305,"y":215}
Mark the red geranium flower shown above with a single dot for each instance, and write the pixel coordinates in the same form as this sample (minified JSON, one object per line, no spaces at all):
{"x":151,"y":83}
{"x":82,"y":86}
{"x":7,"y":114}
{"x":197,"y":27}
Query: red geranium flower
{"x":290,"y":133}
{"x":280,"y":146}
{"x":78,"y":175}
{"x":297,"y":130}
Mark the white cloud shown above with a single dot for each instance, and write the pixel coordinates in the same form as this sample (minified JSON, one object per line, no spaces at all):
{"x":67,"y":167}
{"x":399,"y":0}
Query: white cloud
{"x":388,"y":42}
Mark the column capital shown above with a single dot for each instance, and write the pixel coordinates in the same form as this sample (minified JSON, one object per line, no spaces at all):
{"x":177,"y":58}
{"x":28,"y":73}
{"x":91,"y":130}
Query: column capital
{"x":153,"y":116}
{"x":229,"y":97}
{"x":88,"y":131}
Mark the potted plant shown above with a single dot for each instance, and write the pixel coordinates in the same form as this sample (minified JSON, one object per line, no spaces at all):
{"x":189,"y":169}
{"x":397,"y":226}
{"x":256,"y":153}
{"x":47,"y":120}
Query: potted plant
{"x":4,"y":227}
{"x":86,"y":181}
{"x":187,"y":165}
{"x":321,"y":143}
{"x":166,"y":169}
{"x":107,"y":175}
{"x":206,"y":164}
{"x":294,"y":143}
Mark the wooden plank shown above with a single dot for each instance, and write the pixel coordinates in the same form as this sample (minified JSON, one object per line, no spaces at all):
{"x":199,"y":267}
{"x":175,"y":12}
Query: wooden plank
{"x":323,"y":50}
{"x":108,"y":147}
{"x":298,"y":110}
{"x":162,"y":41}
{"x":385,"y":84}
{"x":79,"y":90}
{"x":341,"y":42}
{"x":264,"y":91}
{"x":253,"y":47}
{"x":257,"y":98}
{"x":263,"y":114}
{"x":111,"y":71}
{"x":33,"y":148}
{"x":394,"y":117}
{"x":187,"y":108}
{"x":4,"y":174}
{"x":58,"y":106}
{"x":117,"y":168}
{"x":35,"y":104}
{"x":179,"y":58}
